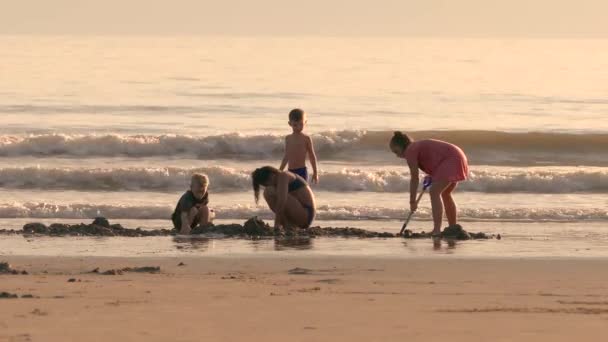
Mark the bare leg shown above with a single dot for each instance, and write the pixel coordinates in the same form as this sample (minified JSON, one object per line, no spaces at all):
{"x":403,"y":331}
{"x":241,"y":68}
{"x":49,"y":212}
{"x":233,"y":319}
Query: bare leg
{"x":437,"y":204}
{"x":187,"y":224}
{"x":294,"y":214}
{"x":449,"y":205}
{"x":204,"y":215}
{"x":271,"y":199}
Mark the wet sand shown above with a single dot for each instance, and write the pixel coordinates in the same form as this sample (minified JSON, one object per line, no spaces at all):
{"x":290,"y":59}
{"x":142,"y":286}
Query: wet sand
{"x":304,"y":299}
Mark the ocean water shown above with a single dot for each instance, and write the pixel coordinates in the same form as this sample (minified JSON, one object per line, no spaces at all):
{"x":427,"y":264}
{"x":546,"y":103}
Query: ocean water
{"x":114,"y":126}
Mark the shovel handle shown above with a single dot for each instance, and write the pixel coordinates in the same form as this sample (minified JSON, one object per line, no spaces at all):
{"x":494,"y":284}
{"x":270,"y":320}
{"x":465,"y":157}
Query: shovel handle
{"x":407,"y":220}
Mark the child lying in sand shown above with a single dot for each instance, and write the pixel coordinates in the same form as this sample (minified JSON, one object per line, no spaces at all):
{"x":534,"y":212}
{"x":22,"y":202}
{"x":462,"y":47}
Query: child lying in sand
{"x":192,"y":208}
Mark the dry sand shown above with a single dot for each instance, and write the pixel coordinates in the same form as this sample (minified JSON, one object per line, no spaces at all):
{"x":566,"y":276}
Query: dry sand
{"x":321,"y":299}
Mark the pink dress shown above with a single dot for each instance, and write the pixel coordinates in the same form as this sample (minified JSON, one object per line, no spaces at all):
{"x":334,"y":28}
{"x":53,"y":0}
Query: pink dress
{"x":439,"y":159}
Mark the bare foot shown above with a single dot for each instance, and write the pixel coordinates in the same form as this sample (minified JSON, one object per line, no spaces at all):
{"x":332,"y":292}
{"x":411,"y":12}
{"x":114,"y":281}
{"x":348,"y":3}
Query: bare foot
{"x":291,"y":230}
{"x":278,"y":231}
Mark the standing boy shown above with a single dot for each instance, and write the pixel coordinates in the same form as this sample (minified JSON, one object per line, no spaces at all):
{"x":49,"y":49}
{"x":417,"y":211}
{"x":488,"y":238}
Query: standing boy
{"x":298,"y":146}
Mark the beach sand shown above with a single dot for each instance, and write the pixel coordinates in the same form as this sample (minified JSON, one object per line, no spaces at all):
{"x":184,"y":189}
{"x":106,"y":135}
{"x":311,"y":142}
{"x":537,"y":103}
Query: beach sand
{"x":306,"y":299}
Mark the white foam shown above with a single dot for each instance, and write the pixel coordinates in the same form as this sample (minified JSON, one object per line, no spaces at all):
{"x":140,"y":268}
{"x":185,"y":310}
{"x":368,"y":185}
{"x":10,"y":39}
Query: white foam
{"x":324,"y":212}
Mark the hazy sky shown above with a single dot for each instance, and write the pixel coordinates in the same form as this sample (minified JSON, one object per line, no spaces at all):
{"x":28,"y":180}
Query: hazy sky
{"x":544,"y":18}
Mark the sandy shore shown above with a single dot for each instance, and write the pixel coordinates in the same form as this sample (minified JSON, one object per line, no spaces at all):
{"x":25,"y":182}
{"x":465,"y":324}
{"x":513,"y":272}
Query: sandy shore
{"x":320,"y":299}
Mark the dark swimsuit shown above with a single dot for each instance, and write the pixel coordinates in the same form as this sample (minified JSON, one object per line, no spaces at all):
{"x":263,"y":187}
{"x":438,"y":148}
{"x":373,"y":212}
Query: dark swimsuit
{"x":302,"y":172}
{"x":296,"y":184}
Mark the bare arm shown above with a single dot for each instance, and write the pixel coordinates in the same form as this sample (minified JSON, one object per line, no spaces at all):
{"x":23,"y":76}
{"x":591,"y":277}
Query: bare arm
{"x":284,"y":161}
{"x":186,"y":222}
{"x":414,"y":182}
{"x":313,"y":159}
{"x":282,"y":189}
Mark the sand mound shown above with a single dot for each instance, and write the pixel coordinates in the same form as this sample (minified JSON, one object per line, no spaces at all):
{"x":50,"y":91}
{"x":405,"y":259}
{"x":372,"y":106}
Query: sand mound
{"x":254,"y":227}
{"x":455,"y":232}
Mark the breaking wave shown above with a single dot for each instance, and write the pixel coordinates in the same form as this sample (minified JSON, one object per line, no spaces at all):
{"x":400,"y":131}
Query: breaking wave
{"x":347,"y":180}
{"x":482,"y":147}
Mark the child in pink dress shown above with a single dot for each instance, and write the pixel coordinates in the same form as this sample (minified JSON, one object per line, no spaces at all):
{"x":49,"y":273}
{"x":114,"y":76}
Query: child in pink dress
{"x":444,"y":162}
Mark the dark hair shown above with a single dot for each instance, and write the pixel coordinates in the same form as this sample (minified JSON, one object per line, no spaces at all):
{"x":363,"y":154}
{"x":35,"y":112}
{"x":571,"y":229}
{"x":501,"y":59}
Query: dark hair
{"x":296,"y":114}
{"x":401,"y":139}
{"x":260,"y":177}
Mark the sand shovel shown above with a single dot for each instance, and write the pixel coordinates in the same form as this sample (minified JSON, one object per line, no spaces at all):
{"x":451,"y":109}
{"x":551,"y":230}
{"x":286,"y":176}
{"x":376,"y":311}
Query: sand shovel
{"x":426,"y":183}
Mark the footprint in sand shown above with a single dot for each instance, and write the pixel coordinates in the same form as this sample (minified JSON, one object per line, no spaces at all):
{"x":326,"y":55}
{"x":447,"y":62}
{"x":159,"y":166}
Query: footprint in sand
{"x":329,"y":281}
{"x":38,"y":312}
{"x":21,"y":338}
{"x":565,"y":302}
{"x":536,"y":310}
{"x":299,"y":270}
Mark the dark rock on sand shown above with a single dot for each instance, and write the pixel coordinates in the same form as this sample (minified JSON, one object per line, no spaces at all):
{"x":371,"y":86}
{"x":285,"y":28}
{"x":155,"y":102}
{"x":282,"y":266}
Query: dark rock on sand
{"x":408,"y":234}
{"x":99,"y":227}
{"x":38,"y":312}
{"x":456,"y":232}
{"x":35,"y":228}
{"x":347,"y":232}
{"x":299,"y":271}
{"x":5,"y":268}
{"x":112,"y":272}
{"x":9,"y":232}
{"x":481,"y":236}
{"x":256,"y":227}
{"x":144,"y":269}
{"x":8,"y":295}
{"x":101,"y":221}
{"x":252,"y":228}
{"x":224,"y":229}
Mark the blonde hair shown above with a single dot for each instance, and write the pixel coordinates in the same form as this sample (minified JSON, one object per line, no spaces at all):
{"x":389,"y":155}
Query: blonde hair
{"x":200,"y":178}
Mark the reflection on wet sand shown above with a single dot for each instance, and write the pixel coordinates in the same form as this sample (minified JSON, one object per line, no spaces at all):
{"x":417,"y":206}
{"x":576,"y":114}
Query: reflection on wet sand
{"x":292,"y":243}
{"x":438,"y":244}
{"x":191,"y":243}
{"x":441,"y":245}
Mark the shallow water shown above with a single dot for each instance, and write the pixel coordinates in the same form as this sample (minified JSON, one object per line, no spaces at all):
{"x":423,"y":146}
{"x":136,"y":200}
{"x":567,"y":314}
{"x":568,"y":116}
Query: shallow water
{"x":519,"y":240}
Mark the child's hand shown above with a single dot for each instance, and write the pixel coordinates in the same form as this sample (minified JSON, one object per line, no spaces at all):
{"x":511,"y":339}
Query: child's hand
{"x":315,"y":178}
{"x":413,"y":206}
